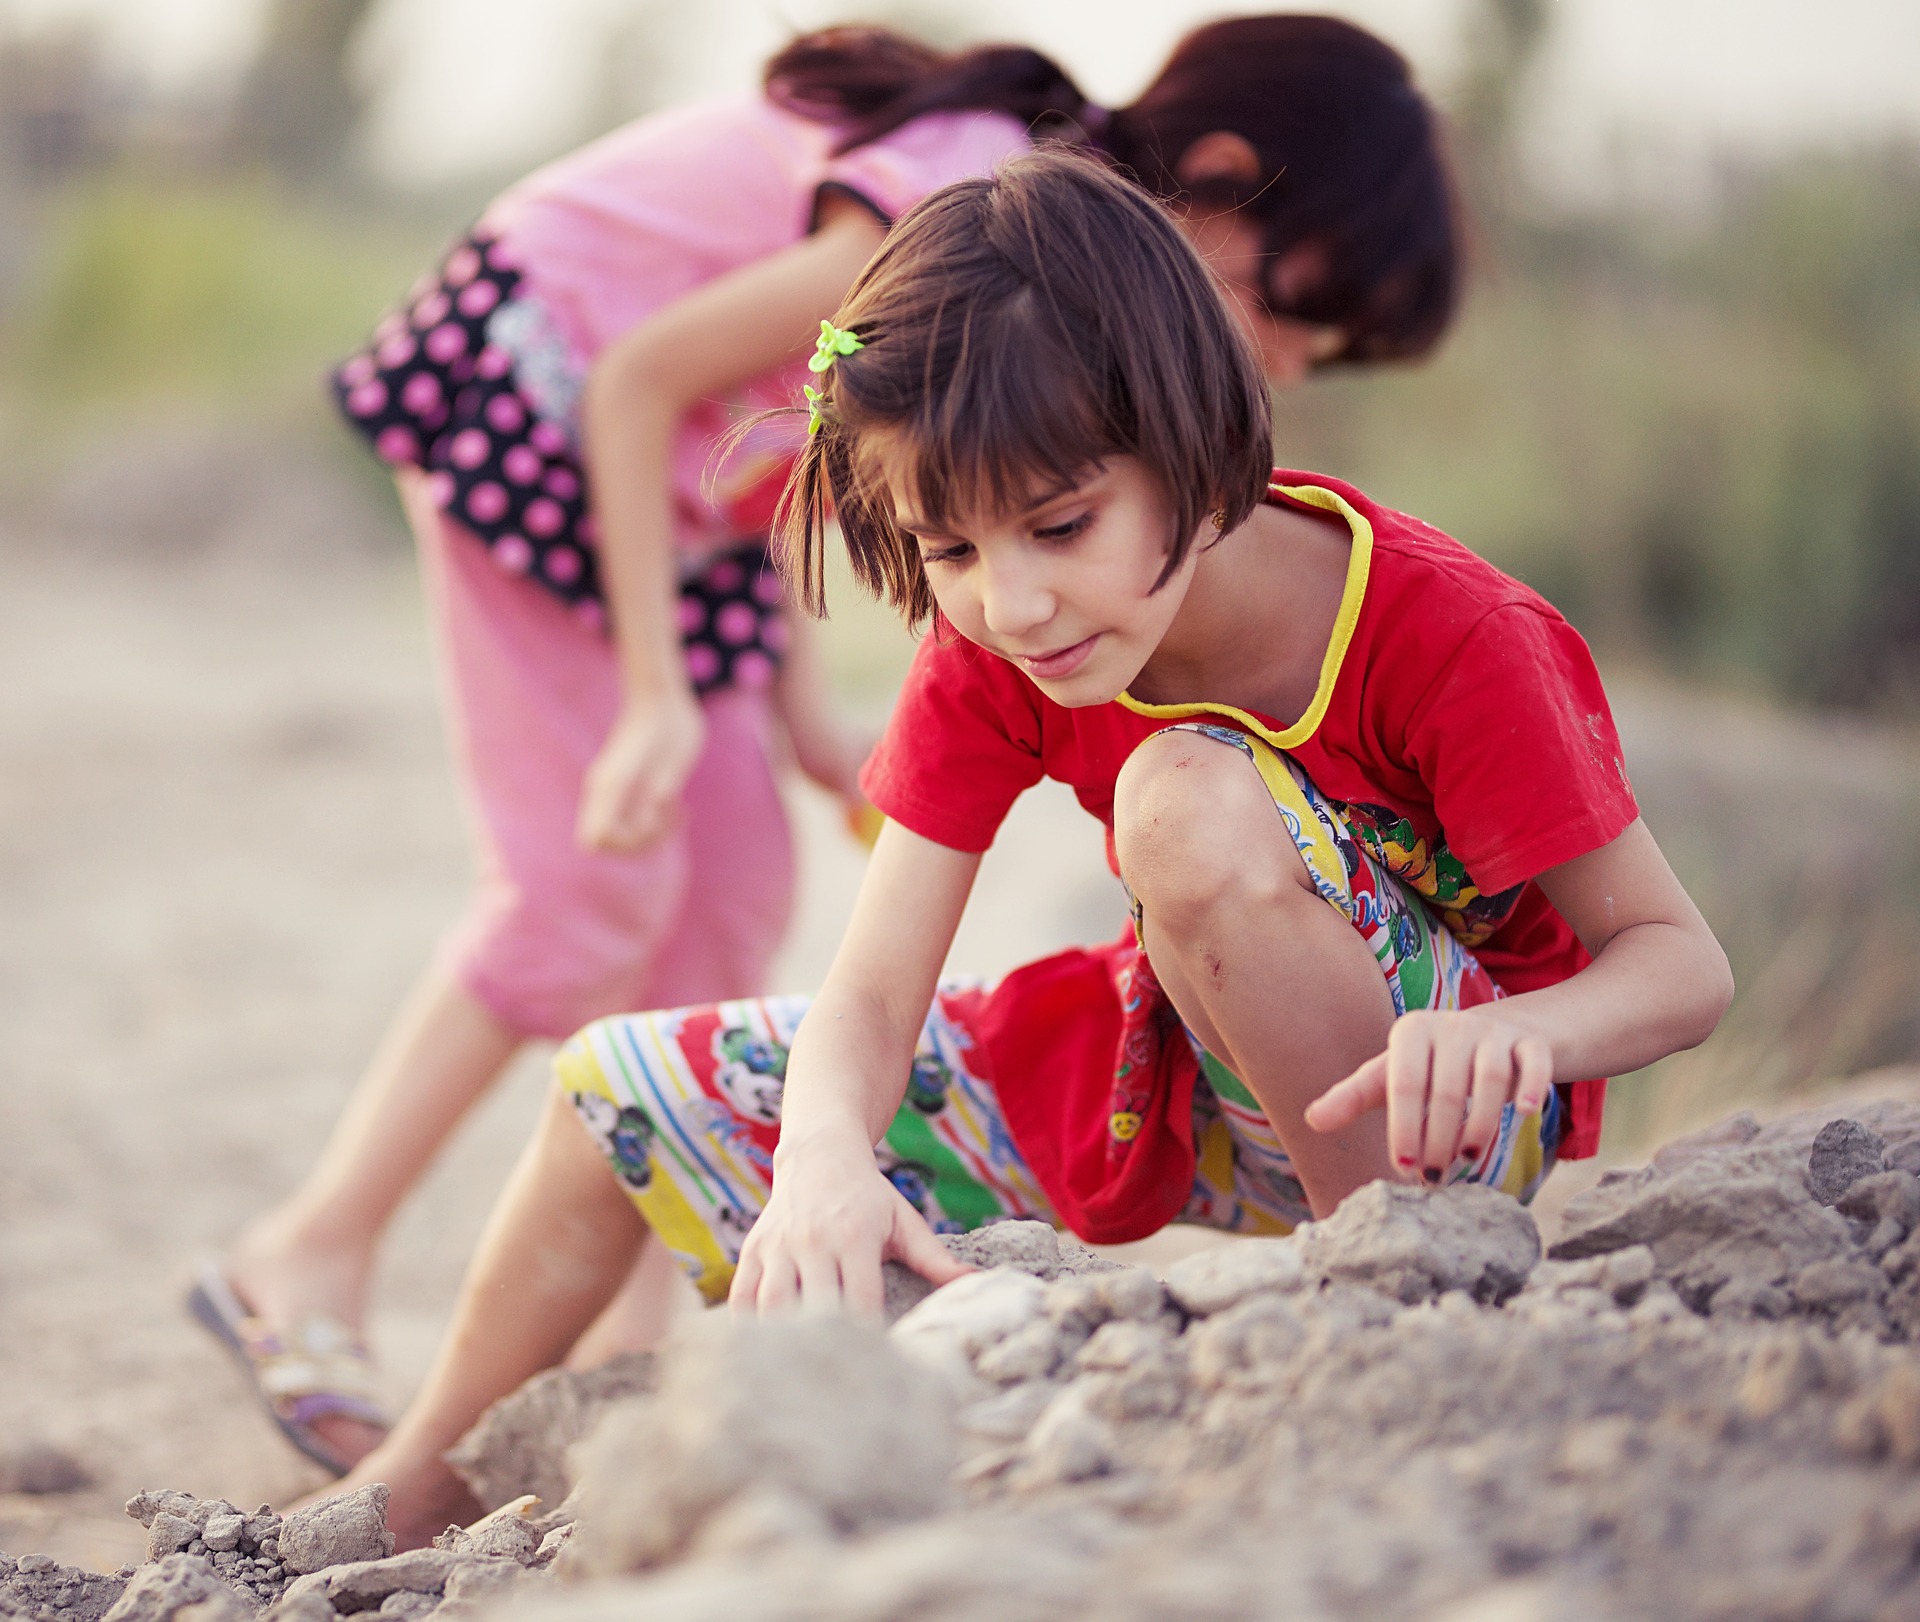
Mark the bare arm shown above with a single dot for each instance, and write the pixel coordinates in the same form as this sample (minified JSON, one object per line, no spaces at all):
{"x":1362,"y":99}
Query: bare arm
{"x":734,"y":328}
{"x":832,"y":1217}
{"x":1658,"y":983}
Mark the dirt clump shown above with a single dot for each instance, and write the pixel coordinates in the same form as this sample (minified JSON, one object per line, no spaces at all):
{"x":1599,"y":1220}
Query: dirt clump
{"x":521,"y":1444}
{"x":1702,"y":1405}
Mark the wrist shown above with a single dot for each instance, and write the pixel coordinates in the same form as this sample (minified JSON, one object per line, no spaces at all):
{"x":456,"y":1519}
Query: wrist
{"x":842,"y":1137}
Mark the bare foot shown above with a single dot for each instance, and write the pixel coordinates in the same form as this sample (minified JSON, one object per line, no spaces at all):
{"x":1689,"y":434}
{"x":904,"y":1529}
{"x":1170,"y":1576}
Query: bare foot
{"x":427,"y":1496}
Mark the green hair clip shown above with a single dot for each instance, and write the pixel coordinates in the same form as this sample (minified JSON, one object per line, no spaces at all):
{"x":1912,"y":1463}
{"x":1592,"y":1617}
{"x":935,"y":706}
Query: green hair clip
{"x":834,"y":342}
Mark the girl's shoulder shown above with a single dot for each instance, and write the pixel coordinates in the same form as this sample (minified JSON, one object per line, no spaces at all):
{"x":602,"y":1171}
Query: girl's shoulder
{"x":1416,"y":574}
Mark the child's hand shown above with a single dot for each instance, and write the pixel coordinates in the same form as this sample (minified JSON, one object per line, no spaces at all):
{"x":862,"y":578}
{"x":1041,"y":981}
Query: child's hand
{"x":631,"y":796}
{"x":832,"y":1219}
{"x":1443,"y":1081}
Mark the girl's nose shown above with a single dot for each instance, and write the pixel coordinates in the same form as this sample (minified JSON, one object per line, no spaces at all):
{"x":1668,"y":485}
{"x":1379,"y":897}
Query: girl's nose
{"x":1015,"y":599}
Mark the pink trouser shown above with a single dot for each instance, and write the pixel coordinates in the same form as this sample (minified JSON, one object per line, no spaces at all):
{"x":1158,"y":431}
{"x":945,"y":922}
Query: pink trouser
{"x":557,"y":936}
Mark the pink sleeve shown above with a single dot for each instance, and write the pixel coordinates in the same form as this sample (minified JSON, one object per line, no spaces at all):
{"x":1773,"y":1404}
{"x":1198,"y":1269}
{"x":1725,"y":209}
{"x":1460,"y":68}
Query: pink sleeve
{"x":896,"y":171}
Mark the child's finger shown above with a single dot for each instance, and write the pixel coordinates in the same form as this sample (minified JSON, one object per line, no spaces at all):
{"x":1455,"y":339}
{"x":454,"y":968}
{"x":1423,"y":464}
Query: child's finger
{"x":819,"y":1282}
{"x":1493,"y":1075}
{"x":746,"y":1282}
{"x":1451,"y":1079}
{"x":861,"y":1284}
{"x":1534,"y":1063}
{"x":779,"y":1289}
{"x":915,"y":1244}
{"x":1350,"y":1098}
{"x":1409,"y":1069}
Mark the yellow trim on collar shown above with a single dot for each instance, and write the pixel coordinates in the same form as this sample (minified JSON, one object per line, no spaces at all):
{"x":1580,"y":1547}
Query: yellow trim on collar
{"x":1352,"y":595}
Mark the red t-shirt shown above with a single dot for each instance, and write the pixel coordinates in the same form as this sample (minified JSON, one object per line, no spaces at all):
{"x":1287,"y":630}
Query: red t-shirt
{"x":1459,"y":719}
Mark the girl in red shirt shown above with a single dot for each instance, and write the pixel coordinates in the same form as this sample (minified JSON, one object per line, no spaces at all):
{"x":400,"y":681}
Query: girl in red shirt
{"x":1364,"y":789}
{"x":1393,"y":902}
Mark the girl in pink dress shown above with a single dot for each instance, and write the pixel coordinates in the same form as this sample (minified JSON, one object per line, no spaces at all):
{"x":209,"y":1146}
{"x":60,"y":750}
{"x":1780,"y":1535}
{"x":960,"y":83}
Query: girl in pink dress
{"x":617,"y":659}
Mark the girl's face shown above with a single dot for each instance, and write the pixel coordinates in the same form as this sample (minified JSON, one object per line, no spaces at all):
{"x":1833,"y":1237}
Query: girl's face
{"x":1064,"y":587}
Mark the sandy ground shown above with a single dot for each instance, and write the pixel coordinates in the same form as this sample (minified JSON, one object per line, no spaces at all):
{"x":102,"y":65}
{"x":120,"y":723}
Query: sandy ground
{"x":228,"y":838}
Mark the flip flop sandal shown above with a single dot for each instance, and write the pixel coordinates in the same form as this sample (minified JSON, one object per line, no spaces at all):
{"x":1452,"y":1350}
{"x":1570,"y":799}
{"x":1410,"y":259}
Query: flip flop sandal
{"x":320,"y":1371}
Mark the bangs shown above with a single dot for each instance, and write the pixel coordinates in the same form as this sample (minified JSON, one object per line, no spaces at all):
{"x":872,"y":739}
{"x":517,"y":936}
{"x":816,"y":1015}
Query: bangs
{"x":1018,"y":417}
{"x":1015,"y":332}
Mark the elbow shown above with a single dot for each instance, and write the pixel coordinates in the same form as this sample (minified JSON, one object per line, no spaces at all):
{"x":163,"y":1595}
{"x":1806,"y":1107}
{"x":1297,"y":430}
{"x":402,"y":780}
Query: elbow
{"x":1714,"y":990}
{"x":622,"y":386}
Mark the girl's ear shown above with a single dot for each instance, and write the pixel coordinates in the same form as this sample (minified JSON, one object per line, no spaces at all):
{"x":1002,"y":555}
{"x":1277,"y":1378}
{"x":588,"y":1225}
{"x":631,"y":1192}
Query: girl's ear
{"x":1218,"y":155}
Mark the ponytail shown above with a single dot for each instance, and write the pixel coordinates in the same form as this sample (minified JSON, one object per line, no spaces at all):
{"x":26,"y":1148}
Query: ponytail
{"x":871,"y":80}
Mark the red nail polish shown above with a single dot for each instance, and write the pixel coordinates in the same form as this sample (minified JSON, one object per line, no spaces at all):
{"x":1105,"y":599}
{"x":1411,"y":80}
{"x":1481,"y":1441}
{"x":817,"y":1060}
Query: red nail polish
{"x":1403,"y":1161}
{"x":1432,"y":1174}
{"x":1471,"y":1151}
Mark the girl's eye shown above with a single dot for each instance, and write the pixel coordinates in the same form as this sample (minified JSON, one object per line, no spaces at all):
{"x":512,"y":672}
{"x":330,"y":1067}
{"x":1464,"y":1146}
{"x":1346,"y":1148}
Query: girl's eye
{"x":957,"y":553}
{"x":1066,"y":531}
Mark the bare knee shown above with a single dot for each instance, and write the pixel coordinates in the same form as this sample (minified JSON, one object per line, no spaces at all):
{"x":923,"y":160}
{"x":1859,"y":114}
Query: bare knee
{"x":1195,"y":828}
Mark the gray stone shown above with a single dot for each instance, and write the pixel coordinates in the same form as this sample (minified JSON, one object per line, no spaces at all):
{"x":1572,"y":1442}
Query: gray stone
{"x":169,"y":1533}
{"x":223,"y":1531}
{"x":347,"y":1527}
{"x":1413,"y":1244}
{"x":174,"y":1585}
{"x":1843,"y":1152}
{"x":520,"y":1445}
{"x":1213,"y":1280}
{"x":825,"y":1409}
{"x":1711,"y":1222}
{"x":38,"y":1583}
{"x":306,"y":1606}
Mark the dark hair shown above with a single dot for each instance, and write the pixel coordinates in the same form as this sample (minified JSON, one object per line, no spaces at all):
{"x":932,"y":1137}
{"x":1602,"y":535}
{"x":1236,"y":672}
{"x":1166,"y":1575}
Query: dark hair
{"x":1351,"y":156}
{"x":1016,"y":331}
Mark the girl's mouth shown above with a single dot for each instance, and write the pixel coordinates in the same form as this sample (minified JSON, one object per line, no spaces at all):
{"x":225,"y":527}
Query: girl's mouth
{"x":1060,"y":664}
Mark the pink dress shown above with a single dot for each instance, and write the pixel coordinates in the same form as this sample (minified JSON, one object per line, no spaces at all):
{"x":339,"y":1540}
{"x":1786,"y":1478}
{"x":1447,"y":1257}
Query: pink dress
{"x":600,"y":240}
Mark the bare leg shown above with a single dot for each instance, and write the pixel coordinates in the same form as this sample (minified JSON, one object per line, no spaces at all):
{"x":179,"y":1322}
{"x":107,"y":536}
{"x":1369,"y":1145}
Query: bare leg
{"x":1263,"y":971}
{"x":313,"y":1254}
{"x":637,"y":1319}
{"x":557,"y":1249}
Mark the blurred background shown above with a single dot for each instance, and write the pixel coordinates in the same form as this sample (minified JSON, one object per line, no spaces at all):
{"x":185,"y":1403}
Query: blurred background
{"x":1683,"y":402}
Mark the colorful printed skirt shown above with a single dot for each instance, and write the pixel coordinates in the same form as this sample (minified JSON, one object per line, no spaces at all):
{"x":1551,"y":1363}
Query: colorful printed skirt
{"x":686,"y":1104}
{"x":470,"y":383}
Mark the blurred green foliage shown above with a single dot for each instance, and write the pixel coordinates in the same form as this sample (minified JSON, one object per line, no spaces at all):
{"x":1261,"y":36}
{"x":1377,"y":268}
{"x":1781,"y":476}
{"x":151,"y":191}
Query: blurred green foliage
{"x":1701,"y":441}
{"x":221,"y":292}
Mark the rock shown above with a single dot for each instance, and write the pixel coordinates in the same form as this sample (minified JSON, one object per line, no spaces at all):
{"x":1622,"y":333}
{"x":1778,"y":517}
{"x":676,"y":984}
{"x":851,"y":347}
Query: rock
{"x":306,"y":1606}
{"x":1412,"y":1244}
{"x":1710,"y":1223}
{"x":407,"y":1606}
{"x":40,"y":1469}
{"x":173,"y":1586}
{"x":1844,"y":1152}
{"x":970,"y":1315}
{"x":1250,"y":1339}
{"x":222,"y":1532}
{"x":37,"y":1584}
{"x":520,"y":1444}
{"x":346,"y":1528}
{"x":1027,"y":1247}
{"x":1069,"y":1442}
{"x":1888,"y":1203}
{"x":825,"y":1409}
{"x":169,"y":1533}
{"x":1213,"y":1280}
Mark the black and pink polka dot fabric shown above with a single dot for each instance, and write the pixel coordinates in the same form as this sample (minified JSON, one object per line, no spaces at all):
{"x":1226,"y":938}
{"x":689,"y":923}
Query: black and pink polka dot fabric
{"x":432,"y":391}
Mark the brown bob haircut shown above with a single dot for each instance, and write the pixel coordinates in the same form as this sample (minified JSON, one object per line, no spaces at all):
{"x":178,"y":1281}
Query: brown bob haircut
{"x":1016,"y":332}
